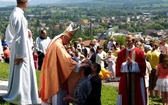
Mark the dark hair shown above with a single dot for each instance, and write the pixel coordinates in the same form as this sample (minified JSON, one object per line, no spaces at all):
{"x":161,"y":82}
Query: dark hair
{"x":42,"y":31}
{"x":75,"y":44}
{"x":87,"y":70}
{"x":97,"y":66}
{"x":100,"y":47}
{"x":21,"y":1}
{"x":114,"y":46}
{"x":163,"y":59}
{"x":155,"y":46}
{"x":92,"y":50}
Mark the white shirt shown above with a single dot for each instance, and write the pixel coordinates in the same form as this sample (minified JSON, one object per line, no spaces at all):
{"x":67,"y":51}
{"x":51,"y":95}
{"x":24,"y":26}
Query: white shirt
{"x":42,"y":44}
{"x":99,"y":58}
{"x":110,"y":44}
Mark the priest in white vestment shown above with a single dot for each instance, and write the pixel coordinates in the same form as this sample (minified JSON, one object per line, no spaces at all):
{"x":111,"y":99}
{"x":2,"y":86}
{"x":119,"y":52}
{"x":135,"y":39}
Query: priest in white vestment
{"x":22,"y":86}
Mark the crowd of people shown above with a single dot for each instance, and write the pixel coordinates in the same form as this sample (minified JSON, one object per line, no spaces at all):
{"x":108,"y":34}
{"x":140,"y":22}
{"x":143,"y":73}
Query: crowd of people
{"x":74,"y":73}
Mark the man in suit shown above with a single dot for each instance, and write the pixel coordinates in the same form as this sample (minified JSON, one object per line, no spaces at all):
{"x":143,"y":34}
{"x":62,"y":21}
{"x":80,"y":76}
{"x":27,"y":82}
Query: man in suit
{"x":94,"y":96}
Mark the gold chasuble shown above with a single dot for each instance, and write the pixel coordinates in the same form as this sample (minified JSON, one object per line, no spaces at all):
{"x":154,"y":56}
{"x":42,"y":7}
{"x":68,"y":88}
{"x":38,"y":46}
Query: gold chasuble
{"x":57,"y":71}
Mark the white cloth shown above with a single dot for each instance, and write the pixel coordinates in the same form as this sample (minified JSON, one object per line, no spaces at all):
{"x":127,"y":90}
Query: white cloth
{"x":111,"y":65}
{"x":99,"y":58}
{"x":58,"y":98}
{"x":22,"y":86}
{"x":31,"y":41}
{"x":148,"y":71}
{"x":133,"y":67}
{"x":109,"y":44}
{"x":8,"y":36}
{"x":162,"y":84}
{"x":1,"y":51}
{"x":42,"y":44}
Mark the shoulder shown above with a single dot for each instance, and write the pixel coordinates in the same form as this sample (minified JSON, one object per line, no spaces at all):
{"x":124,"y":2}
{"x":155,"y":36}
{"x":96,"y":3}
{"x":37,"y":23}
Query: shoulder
{"x":38,"y":39}
{"x":95,"y":78}
{"x":48,"y":38}
{"x":138,"y":51}
{"x":17,"y":15}
{"x":122,"y":51}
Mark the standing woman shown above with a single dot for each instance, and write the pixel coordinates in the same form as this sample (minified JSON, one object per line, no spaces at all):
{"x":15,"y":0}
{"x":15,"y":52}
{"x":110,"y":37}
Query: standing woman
{"x":22,"y":87}
{"x":162,"y":81}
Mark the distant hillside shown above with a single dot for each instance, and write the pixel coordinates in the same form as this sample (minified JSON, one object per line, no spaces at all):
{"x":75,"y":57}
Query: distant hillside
{"x":75,"y":1}
{"x":42,"y":2}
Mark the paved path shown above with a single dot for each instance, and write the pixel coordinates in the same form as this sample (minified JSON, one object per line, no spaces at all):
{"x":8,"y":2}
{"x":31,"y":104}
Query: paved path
{"x":3,"y":87}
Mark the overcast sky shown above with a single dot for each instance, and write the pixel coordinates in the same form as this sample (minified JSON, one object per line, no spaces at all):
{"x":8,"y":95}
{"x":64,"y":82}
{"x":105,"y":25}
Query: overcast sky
{"x":4,"y":3}
{"x":9,"y":0}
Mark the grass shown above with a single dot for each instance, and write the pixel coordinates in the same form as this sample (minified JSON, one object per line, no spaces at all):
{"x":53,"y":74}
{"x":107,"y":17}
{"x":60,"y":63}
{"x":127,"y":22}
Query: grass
{"x":109,"y":94}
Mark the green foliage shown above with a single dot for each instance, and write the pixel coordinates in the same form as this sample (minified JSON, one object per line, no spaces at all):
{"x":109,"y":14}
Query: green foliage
{"x":4,"y":71}
{"x":109,"y":95}
{"x":155,"y":100}
{"x":120,"y":39}
{"x":38,"y":77}
{"x":82,"y":35}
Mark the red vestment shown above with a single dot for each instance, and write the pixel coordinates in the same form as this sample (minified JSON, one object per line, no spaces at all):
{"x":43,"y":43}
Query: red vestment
{"x":138,"y":81}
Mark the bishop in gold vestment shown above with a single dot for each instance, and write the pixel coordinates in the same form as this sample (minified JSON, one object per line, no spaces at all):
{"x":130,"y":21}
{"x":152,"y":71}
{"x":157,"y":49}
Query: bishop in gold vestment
{"x":58,"y":75}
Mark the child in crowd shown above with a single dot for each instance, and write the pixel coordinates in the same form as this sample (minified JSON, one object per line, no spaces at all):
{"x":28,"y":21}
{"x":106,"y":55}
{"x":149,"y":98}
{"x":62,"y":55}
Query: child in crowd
{"x":148,"y":71}
{"x":162,"y":81}
{"x":111,"y":64}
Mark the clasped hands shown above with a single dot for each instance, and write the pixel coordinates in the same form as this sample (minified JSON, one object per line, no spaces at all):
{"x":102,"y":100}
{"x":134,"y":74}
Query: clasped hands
{"x":129,"y":60}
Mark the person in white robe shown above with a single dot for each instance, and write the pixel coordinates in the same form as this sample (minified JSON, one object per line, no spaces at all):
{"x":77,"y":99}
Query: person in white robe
{"x":31,"y":40}
{"x":22,"y":85}
{"x":41,"y":45}
{"x":1,"y":51}
{"x":111,"y":59}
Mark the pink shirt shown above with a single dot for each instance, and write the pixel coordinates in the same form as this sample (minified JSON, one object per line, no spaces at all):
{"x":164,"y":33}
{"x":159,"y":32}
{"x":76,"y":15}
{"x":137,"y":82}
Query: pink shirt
{"x":163,"y":73}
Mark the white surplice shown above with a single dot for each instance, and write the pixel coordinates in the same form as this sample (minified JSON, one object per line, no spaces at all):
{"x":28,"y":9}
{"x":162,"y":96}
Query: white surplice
{"x":22,"y":86}
{"x":1,"y":51}
{"x":42,"y":44}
